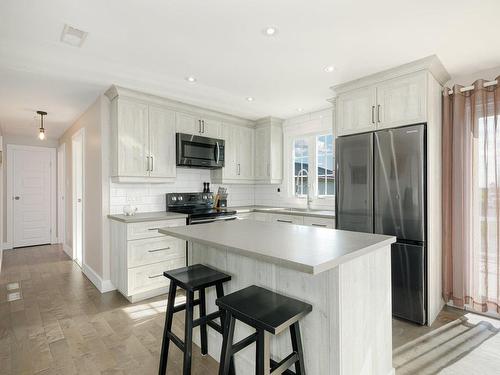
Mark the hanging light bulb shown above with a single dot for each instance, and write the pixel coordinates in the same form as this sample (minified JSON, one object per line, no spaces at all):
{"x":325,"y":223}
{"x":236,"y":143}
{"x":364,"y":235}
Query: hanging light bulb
{"x":41,"y":133}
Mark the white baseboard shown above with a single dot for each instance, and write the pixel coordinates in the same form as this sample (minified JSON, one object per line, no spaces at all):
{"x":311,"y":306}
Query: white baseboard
{"x":6,"y":246}
{"x":102,"y":285}
{"x":68,"y":250}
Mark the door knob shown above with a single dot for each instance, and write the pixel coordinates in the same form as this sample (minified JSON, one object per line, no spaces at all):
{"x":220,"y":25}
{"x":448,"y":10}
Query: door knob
{"x":17,"y":197}
{"x":79,"y":200}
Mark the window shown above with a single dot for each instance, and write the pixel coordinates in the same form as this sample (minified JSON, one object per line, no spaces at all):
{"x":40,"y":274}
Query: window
{"x":313,"y":162}
{"x":325,"y":169}
{"x":301,"y":166}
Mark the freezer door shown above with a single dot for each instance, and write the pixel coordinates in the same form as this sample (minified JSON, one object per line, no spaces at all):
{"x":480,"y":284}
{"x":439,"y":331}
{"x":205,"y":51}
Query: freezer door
{"x":400,"y":182}
{"x":408,"y":288}
{"x":354,"y":173}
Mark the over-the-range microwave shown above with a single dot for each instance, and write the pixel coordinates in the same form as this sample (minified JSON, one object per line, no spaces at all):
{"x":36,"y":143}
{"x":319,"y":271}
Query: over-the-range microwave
{"x":199,"y":152}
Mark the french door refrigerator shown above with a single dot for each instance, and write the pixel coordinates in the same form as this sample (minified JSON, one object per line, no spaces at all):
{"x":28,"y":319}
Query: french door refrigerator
{"x":381,"y":188}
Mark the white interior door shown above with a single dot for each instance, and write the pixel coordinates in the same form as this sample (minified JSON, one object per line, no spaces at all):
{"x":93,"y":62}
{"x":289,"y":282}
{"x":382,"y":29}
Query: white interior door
{"x":78,"y":192}
{"x":31,"y":196}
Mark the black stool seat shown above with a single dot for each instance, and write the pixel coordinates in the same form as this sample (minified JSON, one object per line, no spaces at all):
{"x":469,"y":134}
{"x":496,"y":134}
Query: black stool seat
{"x":196,"y":277}
{"x":261,"y":308}
{"x":269,"y":313}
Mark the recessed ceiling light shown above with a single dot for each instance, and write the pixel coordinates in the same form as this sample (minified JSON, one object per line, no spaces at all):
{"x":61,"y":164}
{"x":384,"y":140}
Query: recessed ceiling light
{"x":329,"y":68}
{"x":73,"y":36}
{"x":249,"y":99}
{"x":270,"y":31}
{"x":191,"y":79}
{"x":300,"y":109}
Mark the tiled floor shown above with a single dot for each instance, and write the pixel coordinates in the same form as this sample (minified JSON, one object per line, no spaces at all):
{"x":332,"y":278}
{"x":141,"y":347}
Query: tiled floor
{"x":55,"y":322}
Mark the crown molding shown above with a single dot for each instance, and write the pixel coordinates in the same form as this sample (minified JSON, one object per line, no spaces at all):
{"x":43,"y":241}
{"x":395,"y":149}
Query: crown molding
{"x":431,"y":64}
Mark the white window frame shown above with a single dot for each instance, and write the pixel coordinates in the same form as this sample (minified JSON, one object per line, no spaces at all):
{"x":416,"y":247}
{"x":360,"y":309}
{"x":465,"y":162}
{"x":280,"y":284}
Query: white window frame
{"x":308,"y":126}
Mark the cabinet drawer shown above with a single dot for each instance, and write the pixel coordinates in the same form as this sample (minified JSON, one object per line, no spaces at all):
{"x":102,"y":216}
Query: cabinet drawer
{"x":149,"y":229}
{"x":319,"y":222}
{"x":144,"y":278}
{"x":287,"y":219}
{"x":154,"y":250}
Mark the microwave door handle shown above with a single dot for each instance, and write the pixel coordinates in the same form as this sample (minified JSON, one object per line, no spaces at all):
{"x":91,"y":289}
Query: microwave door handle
{"x":217,"y":152}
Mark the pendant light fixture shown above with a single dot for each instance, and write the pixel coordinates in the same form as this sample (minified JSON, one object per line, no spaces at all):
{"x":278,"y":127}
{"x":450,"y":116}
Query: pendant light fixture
{"x":41,"y":134}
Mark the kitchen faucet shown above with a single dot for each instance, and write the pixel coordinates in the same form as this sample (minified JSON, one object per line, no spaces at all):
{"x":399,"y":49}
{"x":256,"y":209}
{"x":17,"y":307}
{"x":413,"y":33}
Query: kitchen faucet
{"x":304,"y":173}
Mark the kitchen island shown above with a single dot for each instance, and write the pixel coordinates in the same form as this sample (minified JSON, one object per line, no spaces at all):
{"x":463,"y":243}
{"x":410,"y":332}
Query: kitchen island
{"x":345,"y":276}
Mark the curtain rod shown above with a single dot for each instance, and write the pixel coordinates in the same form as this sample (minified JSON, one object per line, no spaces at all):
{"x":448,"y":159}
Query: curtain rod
{"x":469,"y":88}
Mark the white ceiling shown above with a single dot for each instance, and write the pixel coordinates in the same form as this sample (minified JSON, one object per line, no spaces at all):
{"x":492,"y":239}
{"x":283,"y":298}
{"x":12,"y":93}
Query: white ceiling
{"x":152,"y":45}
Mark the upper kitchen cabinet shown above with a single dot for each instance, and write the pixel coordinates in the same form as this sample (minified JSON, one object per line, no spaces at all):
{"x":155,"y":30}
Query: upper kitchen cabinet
{"x":142,"y":140}
{"x":195,"y":125}
{"x":239,"y":156}
{"x":389,"y":99}
{"x":269,"y":151}
{"x":356,"y":111}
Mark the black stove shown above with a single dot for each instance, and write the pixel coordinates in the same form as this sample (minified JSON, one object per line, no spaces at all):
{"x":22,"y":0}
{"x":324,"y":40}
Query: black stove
{"x":198,"y":207}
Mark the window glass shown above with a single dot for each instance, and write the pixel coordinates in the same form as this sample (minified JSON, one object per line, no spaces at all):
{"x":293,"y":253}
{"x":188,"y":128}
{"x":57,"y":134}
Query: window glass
{"x":325,"y":165}
{"x":301,"y":166}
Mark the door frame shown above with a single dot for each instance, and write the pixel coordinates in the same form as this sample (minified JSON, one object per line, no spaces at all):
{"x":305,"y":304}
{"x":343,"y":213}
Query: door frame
{"x":80,"y":133}
{"x":61,"y":193}
{"x":10,"y":187}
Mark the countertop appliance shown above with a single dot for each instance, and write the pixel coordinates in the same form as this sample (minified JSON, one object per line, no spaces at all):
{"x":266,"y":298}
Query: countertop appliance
{"x":198,"y":207}
{"x":199,"y":152}
{"x":381,"y":188}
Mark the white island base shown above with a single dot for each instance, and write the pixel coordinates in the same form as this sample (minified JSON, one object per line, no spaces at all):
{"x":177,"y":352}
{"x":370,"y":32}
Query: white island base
{"x":348,"y":332}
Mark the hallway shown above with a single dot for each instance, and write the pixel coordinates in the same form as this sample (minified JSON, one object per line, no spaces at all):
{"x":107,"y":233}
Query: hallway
{"x":63,"y":325}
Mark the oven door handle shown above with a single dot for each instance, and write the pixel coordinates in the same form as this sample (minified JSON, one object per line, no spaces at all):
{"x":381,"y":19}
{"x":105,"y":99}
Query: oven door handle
{"x":217,"y":152}
{"x":223,"y":218}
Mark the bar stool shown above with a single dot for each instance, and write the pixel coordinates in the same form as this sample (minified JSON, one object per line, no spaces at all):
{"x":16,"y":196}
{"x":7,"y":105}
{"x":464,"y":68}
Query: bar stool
{"x":269,"y":313}
{"x":193,"y":278}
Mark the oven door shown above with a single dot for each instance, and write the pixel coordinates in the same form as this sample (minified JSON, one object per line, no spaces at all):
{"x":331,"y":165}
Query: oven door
{"x":207,"y":220}
{"x":200,"y":152}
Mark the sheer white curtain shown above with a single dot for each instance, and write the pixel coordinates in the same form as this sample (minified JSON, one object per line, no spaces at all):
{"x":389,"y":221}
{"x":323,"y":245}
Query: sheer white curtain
{"x":471,"y":197}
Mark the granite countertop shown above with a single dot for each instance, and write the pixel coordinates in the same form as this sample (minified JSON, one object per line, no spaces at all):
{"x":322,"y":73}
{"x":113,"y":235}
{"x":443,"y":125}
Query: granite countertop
{"x":306,"y":249}
{"x":327,"y":214}
{"x":147,"y":216}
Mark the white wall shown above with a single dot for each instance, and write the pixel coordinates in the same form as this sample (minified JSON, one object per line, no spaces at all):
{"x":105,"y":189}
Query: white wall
{"x":96,"y":247}
{"x":467,"y":80}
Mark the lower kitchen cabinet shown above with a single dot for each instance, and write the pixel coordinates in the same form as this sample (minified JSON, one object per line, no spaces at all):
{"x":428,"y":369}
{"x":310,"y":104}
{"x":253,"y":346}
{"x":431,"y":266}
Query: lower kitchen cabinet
{"x":286,"y":219}
{"x":140,"y":255}
{"x":319,"y":222}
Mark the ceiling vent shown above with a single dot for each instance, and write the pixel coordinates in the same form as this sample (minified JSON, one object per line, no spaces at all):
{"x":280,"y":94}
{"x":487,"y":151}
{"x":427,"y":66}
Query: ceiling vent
{"x":73,"y":37}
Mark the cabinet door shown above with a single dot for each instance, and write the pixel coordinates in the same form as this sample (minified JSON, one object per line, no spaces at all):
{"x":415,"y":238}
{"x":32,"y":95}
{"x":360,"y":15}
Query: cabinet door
{"x":230,"y":135}
{"x":262,"y":153}
{"x":133,"y":142}
{"x":161,"y":142}
{"x":187,"y":124}
{"x":211,"y":128}
{"x":356,"y":111}
{"x":245,"y":153}
{"x":402,"y":101}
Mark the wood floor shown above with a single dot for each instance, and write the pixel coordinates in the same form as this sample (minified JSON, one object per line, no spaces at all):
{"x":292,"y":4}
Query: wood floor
{"x":54,"y":321}
{"x":63,"y":325}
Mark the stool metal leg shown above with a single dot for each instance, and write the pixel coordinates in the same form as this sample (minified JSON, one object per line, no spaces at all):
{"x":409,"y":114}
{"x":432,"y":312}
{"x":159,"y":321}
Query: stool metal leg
{"x":203,"y":327}
{"x":188,"y":333}
{"x":167,"y":328}
{"x":227,"y":344}
{"x":219,"y":288}
{"x":297,"y":347}
{"x":263,"y":353}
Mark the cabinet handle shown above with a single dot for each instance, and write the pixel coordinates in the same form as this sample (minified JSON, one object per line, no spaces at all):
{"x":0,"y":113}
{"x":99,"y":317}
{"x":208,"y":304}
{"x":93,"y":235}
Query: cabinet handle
{"x":203,"y":122}
{"x":285,"y":221}
{"x":373,"y":114}
{"x":199,"y":126}
{"x":154,"y":251}
{"x":147,"y":161}
{"x":155,"y":276}
{"x":152,"y":164}
{"x":319,"y":225}
{"x":239,"y":169}
{"x":268,"y":170}
{"x":378,"y":113}
{"x":153,"y":229}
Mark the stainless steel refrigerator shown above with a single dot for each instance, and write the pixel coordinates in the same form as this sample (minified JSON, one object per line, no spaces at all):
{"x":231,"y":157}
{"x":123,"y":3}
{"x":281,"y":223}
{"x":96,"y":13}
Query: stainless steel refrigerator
{"x":381,"y":188}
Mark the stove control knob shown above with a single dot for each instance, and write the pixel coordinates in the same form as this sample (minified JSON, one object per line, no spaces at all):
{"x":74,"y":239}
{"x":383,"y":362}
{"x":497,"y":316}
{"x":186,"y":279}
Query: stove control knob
{"x":174,"y":199}
{"x":204,"y":197}
{"x":179,"y":198}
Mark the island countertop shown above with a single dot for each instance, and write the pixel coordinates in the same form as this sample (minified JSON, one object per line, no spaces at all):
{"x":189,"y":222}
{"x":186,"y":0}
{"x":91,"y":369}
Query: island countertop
{"x":306,"y":249}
